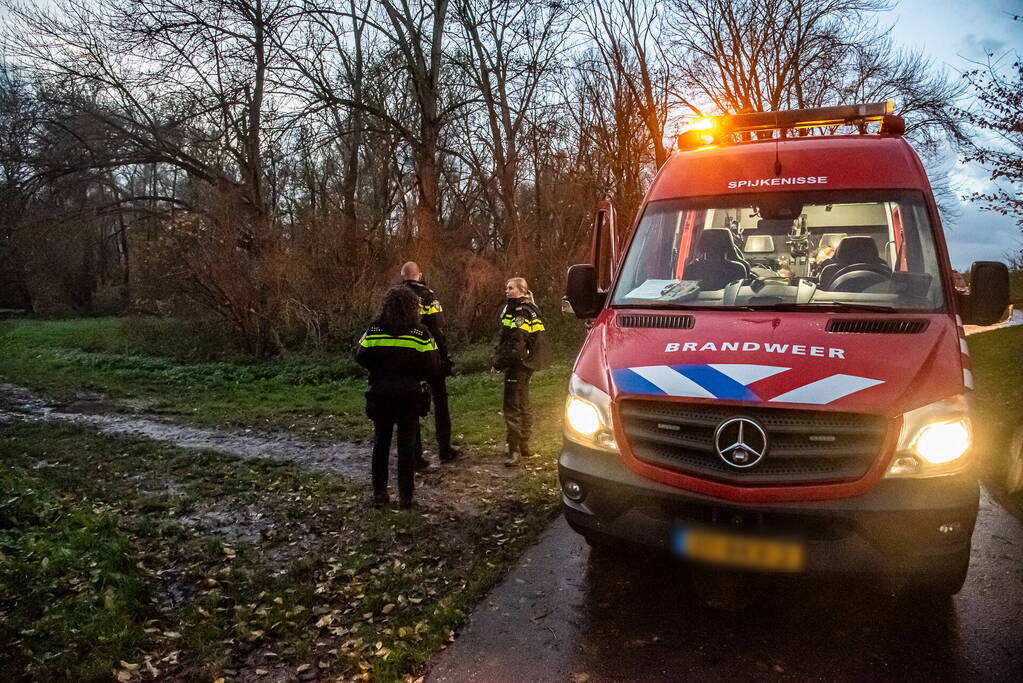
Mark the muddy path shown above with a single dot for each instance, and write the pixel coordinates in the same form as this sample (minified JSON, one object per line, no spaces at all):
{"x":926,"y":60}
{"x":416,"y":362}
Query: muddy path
{"x":458,"y":487}
{"x":94,"y":410}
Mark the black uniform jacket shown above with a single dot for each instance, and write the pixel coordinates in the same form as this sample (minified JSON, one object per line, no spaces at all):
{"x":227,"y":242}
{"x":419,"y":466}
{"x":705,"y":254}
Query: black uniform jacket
{"x":398,"y":360}
{"x":523,"y":340}
{"x":432,"y":315}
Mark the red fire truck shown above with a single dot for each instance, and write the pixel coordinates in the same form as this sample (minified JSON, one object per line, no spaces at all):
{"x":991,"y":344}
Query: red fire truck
{"x":775,"y":376}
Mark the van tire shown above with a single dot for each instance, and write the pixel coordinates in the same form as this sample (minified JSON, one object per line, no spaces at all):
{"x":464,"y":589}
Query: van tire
{"x":1014,"y":476}
{"x":947,"y":584}
{"x":601,"y":543}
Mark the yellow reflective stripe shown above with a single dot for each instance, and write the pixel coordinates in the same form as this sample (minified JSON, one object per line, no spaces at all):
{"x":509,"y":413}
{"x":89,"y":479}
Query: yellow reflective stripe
{"x":534,"y":325}
{"x":435,"y":307}
{"x":409,"y":337}
{"x":399,"y":342}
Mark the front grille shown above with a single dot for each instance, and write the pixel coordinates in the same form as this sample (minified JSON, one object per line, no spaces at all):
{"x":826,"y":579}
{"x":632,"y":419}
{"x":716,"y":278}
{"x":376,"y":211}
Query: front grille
{"x":875,"y":326}
{"x":805,"y":447}
{"x":674,"y":322}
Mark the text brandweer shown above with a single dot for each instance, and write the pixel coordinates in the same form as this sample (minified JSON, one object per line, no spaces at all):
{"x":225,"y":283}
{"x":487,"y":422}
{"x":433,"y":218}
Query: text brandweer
{"x":793,"y":349}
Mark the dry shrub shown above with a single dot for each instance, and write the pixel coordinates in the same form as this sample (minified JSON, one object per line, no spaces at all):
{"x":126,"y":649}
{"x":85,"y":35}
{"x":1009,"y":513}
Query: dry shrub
{"x":228,"y":259}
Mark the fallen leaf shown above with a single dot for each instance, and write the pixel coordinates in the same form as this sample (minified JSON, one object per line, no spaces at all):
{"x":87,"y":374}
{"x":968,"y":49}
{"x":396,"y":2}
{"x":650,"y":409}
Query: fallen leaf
{"x":388,"y":608}
{"x":123,"y":676}
{"x":303,"y":667}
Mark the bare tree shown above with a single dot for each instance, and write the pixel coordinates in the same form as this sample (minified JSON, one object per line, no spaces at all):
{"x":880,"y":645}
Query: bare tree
{"x":177,"y":83}
{"x":512,"y":49}
{"x":999,"y":114}
{"x":628,"y":36}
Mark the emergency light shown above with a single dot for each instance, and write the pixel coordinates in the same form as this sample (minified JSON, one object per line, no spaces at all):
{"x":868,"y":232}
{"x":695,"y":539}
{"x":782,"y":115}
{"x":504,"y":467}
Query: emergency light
{"x":717,"y":129}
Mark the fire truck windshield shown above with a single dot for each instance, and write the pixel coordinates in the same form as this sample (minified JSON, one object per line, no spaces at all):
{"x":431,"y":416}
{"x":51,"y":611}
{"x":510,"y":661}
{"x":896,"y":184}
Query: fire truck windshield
{"x":866,"y":249}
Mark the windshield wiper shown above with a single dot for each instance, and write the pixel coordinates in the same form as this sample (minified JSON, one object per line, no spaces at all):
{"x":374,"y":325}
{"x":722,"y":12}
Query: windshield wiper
{"x":828,"y":305}
{"x":684,"y":307}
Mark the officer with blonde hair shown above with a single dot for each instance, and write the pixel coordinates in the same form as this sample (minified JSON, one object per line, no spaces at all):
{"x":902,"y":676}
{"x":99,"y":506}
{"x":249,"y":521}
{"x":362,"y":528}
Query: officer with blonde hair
{"x":521,"y":350}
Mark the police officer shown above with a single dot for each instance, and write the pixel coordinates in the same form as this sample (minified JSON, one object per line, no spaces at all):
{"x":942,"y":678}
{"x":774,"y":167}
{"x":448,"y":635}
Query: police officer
{"x":521,"y":350}
{"x":401,"y":357}
{"x":432,"y":314}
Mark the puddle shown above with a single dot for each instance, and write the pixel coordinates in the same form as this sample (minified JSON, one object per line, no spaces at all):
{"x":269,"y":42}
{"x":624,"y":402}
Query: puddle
{"x":348,"y":460}
{"x":248,"y":524}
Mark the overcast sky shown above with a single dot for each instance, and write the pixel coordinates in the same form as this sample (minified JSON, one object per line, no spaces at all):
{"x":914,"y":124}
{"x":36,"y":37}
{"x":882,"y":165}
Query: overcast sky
{"x":953,"y":32}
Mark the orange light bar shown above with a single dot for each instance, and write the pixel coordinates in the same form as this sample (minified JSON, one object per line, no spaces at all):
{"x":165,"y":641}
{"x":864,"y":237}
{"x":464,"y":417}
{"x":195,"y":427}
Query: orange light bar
{"x":806,"y":118}
{"x":713,"y":129}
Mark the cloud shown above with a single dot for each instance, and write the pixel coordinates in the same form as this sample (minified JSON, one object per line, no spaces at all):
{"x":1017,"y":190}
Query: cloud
{"x":979,"y":49}
{"x":981,"y":236}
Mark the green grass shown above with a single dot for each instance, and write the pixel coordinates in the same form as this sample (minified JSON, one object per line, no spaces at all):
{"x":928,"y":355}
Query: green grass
{"x":109,"y":556}
{"x":997,"y":358}
{"x":318,"y":395}
{"x":325,"y":557}
{"x":72,"y":597}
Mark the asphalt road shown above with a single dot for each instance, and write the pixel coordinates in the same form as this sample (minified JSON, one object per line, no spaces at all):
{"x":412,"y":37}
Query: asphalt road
{"x":564,"y":615}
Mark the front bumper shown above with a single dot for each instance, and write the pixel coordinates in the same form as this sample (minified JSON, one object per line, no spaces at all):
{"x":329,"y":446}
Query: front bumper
{"x":896,"y":528}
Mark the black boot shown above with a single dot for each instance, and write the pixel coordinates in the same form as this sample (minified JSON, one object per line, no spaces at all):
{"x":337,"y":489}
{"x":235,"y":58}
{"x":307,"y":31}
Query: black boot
{"x":449,"y":454}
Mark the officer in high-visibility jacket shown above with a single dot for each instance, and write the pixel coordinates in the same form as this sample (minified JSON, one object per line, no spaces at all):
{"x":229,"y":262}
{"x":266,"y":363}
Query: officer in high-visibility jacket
{"x":401,"y":357}
{"x":432,"y":315}
{"x":521,"y":350}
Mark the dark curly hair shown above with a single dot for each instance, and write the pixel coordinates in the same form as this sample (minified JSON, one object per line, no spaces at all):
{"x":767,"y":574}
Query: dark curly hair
{"x":399,"y":311}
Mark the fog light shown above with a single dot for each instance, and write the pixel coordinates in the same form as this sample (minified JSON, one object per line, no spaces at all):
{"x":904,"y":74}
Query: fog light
{"x":573,"y":490}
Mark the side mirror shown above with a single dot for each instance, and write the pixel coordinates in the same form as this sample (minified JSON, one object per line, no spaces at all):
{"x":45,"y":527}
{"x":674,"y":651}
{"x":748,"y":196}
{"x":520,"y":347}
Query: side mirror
{"x":581,"y":291}
{"x":989,"y":294}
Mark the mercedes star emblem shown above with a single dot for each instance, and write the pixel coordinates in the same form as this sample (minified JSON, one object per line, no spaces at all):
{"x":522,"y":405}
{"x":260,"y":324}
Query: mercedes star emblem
{"x":740,"y":442}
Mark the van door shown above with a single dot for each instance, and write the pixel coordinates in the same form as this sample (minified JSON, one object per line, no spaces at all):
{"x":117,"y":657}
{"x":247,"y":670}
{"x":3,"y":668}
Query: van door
{"x":605,"y":250}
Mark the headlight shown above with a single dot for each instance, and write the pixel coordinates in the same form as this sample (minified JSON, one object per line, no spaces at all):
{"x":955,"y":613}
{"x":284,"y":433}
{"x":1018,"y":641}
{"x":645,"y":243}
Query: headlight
{"x":588,"y":416}
{"x":934,"y":441}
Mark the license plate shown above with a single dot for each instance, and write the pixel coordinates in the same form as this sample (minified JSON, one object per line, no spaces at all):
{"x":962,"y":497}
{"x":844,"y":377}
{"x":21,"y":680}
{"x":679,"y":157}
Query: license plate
{"x":741,"y":552}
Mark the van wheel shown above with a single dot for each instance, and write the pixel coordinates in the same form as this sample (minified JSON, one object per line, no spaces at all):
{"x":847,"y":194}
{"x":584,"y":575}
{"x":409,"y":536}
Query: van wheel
{"x":1014,"y":478}
{"x":947,"y":584}
{"x":601,"y":543}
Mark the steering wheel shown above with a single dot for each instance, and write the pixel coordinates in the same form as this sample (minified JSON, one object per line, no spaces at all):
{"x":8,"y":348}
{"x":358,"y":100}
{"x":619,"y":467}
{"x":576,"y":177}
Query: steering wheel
{"x":859,"y":277}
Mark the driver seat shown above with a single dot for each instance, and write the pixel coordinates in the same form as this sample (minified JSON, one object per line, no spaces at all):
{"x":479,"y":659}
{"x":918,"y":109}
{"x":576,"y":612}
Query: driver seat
{"x":719,"y":261}
{"x":855,"y":250}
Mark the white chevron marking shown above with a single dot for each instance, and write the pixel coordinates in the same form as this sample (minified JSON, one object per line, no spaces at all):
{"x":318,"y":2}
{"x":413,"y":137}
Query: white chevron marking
{"x":827,"y":390}
{"x":967,"y":379}
{"x":746,"y":374}
{"x":671,"y":382}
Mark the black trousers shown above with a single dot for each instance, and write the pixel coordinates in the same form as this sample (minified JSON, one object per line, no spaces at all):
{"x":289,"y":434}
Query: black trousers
{"x":441,"y":414}
{"x":386,"y":417}
{"x":517,"y":416}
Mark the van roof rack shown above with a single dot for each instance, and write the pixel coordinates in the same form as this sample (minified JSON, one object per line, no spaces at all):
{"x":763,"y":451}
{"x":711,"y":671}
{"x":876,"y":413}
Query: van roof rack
{"x":715,"y":129}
